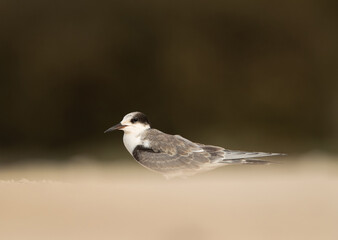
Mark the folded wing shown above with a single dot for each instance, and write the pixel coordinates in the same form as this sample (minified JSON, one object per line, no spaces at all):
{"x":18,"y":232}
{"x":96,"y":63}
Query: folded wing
{"x":173,"y":154}
{"x":170,"y":153}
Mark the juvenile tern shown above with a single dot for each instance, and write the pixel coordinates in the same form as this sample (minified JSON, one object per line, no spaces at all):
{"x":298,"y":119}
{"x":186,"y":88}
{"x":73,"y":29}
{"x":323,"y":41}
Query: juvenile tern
{"x":173,"y":155}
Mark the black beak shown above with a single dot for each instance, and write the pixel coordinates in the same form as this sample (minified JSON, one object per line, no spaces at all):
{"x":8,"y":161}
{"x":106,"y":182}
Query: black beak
{"x":116,"y":127}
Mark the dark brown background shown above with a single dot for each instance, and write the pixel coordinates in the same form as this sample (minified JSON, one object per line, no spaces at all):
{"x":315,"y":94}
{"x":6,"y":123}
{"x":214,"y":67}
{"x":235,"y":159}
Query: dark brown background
{"x":242,"y":74}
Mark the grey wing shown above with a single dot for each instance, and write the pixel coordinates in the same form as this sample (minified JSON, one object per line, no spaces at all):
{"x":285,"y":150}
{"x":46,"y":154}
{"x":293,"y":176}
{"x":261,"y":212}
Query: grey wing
{"x":170,"y":153}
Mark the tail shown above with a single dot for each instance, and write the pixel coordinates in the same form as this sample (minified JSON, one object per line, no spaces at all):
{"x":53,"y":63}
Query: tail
{"x":240,"y":157}
{"x":247,"y":161}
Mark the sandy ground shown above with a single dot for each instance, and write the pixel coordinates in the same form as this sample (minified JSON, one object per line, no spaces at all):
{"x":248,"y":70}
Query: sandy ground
{"x":85,"y":201}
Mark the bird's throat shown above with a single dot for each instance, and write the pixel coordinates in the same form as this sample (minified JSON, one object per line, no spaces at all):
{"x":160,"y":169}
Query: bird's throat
{"x":131,"y":140}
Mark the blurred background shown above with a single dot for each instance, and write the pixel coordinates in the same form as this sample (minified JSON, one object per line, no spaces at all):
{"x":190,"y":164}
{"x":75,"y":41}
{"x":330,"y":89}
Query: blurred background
{"x":250,"y":75}
{"x":247,"y":75}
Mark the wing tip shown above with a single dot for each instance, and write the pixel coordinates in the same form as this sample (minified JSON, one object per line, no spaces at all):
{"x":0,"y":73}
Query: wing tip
{"x":277,"y":154}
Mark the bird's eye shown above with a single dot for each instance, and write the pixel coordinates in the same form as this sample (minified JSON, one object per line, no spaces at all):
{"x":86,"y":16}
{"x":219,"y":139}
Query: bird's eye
{"x":133,"y":120}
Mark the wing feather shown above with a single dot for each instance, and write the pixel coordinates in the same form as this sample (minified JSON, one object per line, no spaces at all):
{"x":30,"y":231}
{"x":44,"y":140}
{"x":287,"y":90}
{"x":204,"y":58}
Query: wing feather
{"x":170,"y":153}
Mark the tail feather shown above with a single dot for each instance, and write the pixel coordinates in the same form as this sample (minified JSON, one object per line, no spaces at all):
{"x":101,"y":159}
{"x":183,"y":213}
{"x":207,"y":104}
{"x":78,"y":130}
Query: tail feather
{"x":239,"y":155}
{"x":247,"y":161}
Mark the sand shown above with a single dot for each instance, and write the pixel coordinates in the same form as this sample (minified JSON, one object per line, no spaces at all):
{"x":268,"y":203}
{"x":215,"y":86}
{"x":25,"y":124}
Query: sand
{"x":113,"y":201}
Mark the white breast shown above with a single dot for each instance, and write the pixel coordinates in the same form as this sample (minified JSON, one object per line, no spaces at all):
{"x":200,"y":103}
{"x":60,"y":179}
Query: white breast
{"x":131,"y":140}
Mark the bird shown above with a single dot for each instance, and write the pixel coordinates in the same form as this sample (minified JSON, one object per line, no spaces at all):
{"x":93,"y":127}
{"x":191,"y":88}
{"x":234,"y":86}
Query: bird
{"x":174,"y":156}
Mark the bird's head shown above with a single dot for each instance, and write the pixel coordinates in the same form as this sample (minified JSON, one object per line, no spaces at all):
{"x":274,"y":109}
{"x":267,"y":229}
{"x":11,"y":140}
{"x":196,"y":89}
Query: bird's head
{"x":135,"y":122}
